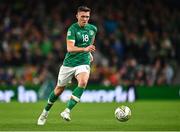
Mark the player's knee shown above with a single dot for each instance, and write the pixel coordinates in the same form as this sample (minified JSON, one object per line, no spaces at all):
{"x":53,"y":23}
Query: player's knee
{"x":58,"y":90}
{"x":82,"y":83}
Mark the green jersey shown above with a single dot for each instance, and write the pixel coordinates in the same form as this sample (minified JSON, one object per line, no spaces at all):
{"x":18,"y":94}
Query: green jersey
{"x":83,"y":37}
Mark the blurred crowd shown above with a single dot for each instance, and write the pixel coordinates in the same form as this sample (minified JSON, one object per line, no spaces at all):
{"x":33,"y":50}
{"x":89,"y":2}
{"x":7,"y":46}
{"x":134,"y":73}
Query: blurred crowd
{"x":137,"y":41}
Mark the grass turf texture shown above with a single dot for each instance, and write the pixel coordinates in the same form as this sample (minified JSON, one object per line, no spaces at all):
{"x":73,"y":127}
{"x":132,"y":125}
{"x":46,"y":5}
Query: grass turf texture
{"x":146,"y":115}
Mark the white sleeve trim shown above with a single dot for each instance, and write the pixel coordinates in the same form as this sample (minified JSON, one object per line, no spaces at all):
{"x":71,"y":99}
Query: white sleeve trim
{"x":71,"y":40}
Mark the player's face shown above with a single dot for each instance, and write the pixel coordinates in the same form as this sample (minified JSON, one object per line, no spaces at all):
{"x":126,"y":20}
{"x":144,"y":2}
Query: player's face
{"x":83,"y":18}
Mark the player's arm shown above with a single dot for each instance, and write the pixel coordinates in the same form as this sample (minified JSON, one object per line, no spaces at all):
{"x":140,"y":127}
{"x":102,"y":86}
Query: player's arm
{"x":91,"y":57}
{"x":93,"y":40}
{"x":72,"y":48}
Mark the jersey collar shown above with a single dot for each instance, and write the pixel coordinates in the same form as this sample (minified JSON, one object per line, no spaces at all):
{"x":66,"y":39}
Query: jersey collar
{"x":81,"y":27}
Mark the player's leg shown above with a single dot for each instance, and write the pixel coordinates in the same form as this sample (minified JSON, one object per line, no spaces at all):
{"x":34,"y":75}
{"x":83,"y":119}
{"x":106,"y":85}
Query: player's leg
{"x":52,"y":98}
{"x":65,"y":75}
{"x":82,"y":79}
{"x":82,"y":76}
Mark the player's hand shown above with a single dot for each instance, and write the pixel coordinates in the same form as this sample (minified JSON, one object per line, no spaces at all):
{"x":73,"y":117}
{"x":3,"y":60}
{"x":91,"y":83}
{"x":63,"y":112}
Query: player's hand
{"x":90,"y":48}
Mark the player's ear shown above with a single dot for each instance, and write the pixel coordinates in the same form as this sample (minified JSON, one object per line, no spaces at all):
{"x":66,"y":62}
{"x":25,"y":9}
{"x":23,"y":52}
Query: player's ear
{"x":77,"y":15}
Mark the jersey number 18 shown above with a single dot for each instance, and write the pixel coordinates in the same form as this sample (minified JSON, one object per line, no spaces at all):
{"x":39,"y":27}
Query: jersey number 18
{"x":85,"y":38}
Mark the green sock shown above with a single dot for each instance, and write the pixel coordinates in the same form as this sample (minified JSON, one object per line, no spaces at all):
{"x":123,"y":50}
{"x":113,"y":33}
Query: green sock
{"x":78,"y":91}
{"x":51,"y":100}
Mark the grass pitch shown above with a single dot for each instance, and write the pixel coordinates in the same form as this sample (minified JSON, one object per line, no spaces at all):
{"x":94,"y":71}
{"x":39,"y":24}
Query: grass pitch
{"x":146,"y":116}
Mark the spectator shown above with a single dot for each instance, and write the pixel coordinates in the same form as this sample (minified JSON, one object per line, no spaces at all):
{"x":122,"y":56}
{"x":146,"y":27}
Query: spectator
{"x":34,"y":32}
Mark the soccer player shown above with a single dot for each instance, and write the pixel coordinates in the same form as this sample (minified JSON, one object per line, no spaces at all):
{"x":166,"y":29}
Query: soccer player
{"x":80,"y":39}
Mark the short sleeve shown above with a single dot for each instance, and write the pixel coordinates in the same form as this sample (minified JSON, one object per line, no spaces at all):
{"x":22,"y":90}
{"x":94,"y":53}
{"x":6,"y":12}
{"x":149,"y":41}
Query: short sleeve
{"x":95,"y":28}
{"x":70,"y":34}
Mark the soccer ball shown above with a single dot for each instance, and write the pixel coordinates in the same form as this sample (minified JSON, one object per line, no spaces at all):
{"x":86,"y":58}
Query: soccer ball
{"x":122,"y":113}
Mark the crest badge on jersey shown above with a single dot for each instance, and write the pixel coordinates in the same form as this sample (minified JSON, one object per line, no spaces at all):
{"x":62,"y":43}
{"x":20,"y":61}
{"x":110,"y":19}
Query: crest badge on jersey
{"x":91,"y":32}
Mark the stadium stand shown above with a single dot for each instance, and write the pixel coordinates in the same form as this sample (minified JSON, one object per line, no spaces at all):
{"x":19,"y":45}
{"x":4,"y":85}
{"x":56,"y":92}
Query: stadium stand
{"x":137,"y":40}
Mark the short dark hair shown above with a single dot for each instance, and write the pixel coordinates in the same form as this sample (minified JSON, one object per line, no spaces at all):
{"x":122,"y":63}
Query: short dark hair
{"x":83,"y":8}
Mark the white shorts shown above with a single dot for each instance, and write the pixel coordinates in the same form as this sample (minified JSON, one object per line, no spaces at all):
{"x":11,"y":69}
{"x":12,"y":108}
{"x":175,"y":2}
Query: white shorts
{"x":67,"y":73}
